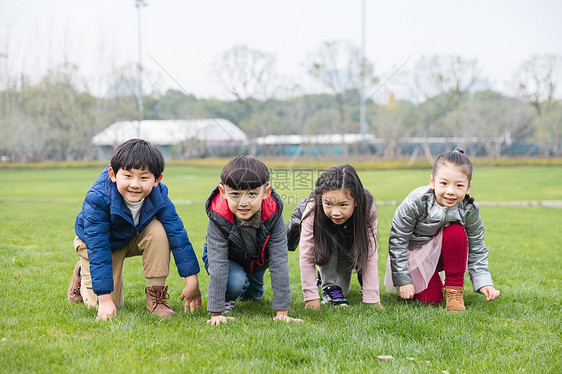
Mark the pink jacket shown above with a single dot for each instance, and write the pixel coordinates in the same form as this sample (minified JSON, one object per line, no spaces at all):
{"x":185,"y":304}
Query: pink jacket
{"x":308,"y":270}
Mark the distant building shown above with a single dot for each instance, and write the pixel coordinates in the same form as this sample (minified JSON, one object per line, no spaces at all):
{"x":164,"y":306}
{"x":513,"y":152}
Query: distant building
{"x":357,"y":144}
{"x":179,"y":139}
{"x":311,"y":145}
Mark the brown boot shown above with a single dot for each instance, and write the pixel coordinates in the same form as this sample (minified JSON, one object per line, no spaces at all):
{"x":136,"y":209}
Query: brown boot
{"x":74,"y":295}
{"x":453,"y":296}
{"x":156,"y":303}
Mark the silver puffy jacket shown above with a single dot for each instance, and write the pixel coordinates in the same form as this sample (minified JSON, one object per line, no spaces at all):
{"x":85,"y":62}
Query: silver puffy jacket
{"x":419,"y":218}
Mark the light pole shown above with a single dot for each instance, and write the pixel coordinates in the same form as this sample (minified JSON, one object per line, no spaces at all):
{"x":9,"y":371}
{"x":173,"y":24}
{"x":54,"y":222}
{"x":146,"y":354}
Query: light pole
{"x":4,"y":55}
{"x":4,"y":75}
{"x":139,"y":4}
{"x":362,"y":119}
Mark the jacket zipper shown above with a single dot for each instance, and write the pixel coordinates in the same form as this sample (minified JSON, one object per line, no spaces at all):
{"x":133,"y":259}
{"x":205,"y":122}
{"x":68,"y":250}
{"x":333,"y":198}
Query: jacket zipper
{"x":252,"y":262}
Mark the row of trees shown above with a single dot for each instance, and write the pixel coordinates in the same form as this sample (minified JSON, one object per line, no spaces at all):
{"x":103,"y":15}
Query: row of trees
{"x":55,"y":119}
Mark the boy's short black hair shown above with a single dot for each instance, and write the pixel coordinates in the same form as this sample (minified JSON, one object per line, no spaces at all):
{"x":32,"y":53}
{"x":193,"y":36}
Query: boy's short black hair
{"x":138,"y":154}
{"x":244,"y":173}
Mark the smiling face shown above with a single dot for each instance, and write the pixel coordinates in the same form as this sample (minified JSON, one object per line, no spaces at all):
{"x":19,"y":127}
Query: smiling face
{"x":135,"y":184}
{"x":450,"y":184}
{"x":244,"y":203}
{"x":338,"y":205}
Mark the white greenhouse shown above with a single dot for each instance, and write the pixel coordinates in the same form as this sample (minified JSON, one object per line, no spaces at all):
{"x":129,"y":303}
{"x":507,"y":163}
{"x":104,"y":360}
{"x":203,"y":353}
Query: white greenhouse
{"x":179,"y":139}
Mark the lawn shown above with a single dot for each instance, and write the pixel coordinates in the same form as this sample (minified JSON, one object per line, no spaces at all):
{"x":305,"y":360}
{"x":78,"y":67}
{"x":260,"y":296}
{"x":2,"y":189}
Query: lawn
{"x":41,"y":332}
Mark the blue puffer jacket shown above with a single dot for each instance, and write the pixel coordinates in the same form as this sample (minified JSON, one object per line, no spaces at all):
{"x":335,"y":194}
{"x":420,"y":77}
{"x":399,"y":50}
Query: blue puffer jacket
{"x":105,"y":223}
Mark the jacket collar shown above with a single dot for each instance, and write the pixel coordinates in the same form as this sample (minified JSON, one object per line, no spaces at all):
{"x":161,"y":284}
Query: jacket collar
{"x":118,"y":206}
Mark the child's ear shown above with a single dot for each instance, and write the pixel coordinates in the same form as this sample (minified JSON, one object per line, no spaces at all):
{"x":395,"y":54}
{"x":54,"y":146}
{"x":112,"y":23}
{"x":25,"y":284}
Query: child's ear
{"x":222,"y":191}
{"x":267,"y":191}
{"x":469,"y":187}
{"x":111,"y":173}
{"x":432,"y":182}
{"x":158,"y":180}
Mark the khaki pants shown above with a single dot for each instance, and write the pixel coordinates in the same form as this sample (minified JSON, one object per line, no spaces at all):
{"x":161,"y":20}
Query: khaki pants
{"x":152,"y":244}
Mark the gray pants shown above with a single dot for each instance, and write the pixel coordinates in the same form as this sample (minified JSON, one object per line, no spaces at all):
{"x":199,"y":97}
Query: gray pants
{"x":337,"y":272}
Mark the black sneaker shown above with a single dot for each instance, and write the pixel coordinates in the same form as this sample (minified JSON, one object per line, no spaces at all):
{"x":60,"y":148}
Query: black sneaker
{"x":334,"y":295}
{"x":229,"y":306}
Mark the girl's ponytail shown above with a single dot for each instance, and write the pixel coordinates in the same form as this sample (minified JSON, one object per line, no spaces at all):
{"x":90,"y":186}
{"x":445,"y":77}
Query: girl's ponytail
{"x":470,"y":200}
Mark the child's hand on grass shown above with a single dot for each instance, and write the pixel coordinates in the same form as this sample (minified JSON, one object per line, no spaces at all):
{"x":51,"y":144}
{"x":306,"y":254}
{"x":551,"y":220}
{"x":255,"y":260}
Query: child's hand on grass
{"x":191,"y":294}
{"x":106,"y":307}
{"x":376,"y":305}
{"x":217,"y":320}
{"x":490,"y":292}
{"x":312,"y":304}
{"x":406,"y":291}
{"x":282,"y":315}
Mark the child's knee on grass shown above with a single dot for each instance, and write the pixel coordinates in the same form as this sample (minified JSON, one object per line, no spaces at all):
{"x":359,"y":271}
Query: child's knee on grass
{"x":237,"y":284}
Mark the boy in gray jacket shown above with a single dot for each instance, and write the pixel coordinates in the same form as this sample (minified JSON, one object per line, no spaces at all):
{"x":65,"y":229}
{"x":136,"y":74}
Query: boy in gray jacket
{"x":245,"y":236}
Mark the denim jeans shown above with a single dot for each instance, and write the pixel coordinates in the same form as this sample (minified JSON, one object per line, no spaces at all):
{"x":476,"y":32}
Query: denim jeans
{"x":241,"y":285}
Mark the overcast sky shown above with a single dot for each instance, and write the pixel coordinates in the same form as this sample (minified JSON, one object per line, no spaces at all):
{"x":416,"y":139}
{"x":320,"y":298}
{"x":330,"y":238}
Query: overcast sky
{"x":186,"y":36}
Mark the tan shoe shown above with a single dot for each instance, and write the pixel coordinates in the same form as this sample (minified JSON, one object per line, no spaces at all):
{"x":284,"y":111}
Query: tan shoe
{"x":156,"y":303}
{"x":453,"y":296}
{"x":74,"y":295}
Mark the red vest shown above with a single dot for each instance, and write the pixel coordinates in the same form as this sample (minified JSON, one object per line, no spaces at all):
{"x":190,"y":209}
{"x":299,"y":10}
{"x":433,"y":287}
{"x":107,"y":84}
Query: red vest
{"x":220,"y":214}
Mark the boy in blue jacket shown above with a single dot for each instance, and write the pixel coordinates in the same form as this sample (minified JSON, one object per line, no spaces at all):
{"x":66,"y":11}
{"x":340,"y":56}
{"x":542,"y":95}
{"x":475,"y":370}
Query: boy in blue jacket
{"x":127,"y":212}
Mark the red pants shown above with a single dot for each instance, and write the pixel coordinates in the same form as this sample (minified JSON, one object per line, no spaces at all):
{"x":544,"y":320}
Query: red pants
{"x":454,"y":254}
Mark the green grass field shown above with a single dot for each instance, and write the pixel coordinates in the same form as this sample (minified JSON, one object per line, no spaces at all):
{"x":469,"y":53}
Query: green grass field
{"x":41,"y":332}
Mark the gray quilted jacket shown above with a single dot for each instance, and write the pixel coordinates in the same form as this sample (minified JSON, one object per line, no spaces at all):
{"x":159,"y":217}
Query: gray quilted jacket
{"x":419,"y":218}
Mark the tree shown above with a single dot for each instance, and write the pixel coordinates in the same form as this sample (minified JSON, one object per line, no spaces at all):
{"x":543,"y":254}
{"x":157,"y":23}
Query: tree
{"x":56,"y":118}
{"x":449,"y":76}
{"x":323,"y":121}
{"x":552,"y":131}
{"x":22,"y":137}
{"x":444,"y":82}
{"x":261,"y":123}
{"x":247,"y":75}
{"x":53,"y":119}
{"x":175,"y":104}
{"x":537,"y":82}
{"x":392,"y":123}
{"x":122,"y":94}
{"x":338,"y":66}
{"x":297,"y":111}
{"x":494,"y":120}
{"x":64,"y":109}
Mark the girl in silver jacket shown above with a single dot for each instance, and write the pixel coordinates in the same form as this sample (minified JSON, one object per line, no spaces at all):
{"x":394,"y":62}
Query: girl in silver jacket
{"x":439,"y":228}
